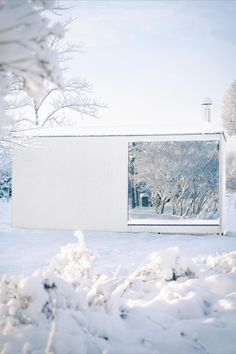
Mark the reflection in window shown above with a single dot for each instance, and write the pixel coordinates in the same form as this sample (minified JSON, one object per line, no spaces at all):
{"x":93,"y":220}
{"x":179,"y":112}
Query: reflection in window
{"x":174,"y":181}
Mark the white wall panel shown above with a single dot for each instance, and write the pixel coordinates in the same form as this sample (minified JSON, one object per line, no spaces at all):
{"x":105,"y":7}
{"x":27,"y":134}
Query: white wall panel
{"x":71,"y":183}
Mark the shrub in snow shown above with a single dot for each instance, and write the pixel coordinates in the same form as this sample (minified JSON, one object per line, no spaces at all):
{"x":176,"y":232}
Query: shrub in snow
{"x":74,"y":264}
{"x":69,"y":308}
{"x":55,"y":297}
{"x":164,"y":266}
{"x":224,"y":263}
{"x":171,"y":264}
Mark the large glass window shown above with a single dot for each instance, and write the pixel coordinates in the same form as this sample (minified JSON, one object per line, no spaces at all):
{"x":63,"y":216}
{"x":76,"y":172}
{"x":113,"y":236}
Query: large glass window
{"x":173,"y":182}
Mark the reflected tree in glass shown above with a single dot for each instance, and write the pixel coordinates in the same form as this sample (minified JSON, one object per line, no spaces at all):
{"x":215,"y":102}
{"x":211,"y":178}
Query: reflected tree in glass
{"x":174,"y":180}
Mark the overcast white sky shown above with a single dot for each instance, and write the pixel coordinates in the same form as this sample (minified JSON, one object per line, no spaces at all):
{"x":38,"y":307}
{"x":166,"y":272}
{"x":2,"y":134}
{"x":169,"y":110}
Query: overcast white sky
{"x":154,"y":61}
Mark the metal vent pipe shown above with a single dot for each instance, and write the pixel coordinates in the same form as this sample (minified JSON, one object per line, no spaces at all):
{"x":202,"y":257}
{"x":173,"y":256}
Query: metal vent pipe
{"x":207,"y":103}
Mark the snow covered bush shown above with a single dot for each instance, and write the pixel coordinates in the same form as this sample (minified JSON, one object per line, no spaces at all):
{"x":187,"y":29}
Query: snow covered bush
{"x":74,"y":263}
{"x":43,"y":305}
{"x":223,"y":263}
{"x":171,"y":304}
{"x":164,"y":266}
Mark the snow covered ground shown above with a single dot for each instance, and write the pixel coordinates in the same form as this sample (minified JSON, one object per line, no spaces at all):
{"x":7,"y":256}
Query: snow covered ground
{"x":148,"y":215}
{"x":117,"y":292}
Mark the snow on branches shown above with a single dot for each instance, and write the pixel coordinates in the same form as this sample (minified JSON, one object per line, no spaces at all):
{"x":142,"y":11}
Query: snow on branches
{"x":229,"y":110}
{"x":169,"y":301}
{"x":24,"y":35}
{"x":24,"y":47}
{"x":53,"y":106}
{"x":182,"y":175}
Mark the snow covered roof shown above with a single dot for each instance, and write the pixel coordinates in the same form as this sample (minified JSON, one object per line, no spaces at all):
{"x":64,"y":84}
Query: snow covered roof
{"x":191,"y":129}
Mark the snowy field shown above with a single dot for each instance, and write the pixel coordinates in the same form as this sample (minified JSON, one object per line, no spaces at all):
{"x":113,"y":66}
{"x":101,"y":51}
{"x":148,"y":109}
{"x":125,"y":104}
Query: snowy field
{"x":116,"y":292}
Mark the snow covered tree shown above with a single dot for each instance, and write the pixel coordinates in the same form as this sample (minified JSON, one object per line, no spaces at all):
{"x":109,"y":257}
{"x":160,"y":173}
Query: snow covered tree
{"x":153,"y":170}
{"x":229,"y":110}
{"x":231,"y":171}
{"x":25,"y":31}
{"x":183,"y":175}
{"x":25,"y":50}
{"x":33,"y":66}
{"x":54,"y":105}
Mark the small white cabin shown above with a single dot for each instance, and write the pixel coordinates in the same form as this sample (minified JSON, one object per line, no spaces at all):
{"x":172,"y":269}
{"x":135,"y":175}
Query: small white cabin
{"x":123,"y":179}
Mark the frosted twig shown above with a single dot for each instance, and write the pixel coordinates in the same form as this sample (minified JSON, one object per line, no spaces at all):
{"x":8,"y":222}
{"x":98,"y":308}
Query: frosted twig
{"x":158,"y":323}
{"x":52,"y":331}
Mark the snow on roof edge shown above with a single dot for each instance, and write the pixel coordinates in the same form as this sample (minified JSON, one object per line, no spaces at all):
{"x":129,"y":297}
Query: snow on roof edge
{"x":90,"y":131}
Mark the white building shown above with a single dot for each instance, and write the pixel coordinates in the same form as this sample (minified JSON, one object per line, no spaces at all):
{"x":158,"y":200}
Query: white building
{"x":79,"y":180}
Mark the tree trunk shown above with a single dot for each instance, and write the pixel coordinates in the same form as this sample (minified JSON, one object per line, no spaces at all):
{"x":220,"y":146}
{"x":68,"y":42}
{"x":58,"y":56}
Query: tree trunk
{"x":181,"y":207}
{"x":36,"y":113}
{"x":175,"y":208}
{"x":162,"y":207}
{"x":133,"y":197}
{"x":137,"y":197}
{"x":132,"y":181}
